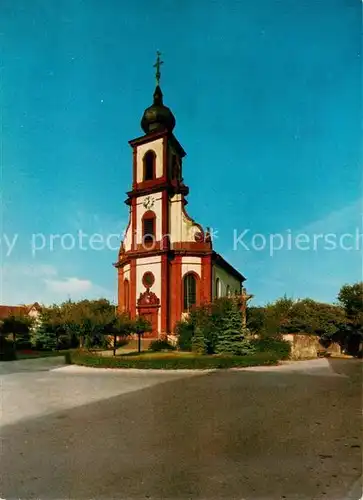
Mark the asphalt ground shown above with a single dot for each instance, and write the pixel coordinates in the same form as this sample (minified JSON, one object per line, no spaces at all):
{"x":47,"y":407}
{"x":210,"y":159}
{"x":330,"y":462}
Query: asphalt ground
{"x":292,"y":432}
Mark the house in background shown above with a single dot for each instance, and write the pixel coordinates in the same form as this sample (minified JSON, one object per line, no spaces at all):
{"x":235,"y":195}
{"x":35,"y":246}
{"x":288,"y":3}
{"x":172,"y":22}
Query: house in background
{"x":32,"y":310}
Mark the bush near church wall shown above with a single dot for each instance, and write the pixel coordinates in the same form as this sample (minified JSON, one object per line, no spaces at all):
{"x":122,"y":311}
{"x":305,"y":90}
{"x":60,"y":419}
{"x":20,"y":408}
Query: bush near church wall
{"x":161,"y":344}
{"x":171,"y":362}
{"x":215,"y":327}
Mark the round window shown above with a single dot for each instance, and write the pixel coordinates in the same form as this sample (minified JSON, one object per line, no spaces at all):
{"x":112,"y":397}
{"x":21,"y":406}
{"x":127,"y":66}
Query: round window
{"x":148,"y":279}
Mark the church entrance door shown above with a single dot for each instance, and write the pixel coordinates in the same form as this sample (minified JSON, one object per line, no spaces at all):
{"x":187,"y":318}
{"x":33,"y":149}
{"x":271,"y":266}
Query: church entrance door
{"x":151,"y":315}
{"x":148,"y":306}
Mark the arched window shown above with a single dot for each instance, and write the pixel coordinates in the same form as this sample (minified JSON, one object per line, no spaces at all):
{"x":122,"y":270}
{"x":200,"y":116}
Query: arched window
{"x":228,"y":291}
{"x":190,"y":291}
{"x":126,"y":295}
{"x":149,"y":162}
{"x":148,"y":228}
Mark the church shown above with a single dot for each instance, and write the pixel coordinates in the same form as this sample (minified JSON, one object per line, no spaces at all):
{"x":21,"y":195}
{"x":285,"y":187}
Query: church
{"x":166,"y":262}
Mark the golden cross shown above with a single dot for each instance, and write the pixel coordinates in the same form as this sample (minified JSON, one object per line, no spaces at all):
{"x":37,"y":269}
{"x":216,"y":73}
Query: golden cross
{"x":157,"y":66}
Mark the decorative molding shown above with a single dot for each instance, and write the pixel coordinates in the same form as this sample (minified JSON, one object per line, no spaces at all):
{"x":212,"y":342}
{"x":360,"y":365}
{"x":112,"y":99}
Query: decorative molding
{"x":147,"y":299}
{"x":191,"y":248}
{"x":155,"y":186}
{"x":198,"y":237}
{"x":157,"y":135}
{"x":191,"y":223}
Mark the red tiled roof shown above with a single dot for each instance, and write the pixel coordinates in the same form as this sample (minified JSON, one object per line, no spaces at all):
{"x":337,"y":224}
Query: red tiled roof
{"x":6,"y":311}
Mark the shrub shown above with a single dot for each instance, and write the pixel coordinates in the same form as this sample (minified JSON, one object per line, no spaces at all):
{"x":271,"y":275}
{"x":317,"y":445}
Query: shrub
{"x":7,"y":351}
{"x":281,"y":348}
{"x":296,"y":316}
{"x":198,"y":341}
{"x":185,"y":332}
{"x":214,"y":328}
{"x":161,"y":345}
{"x":245,"y":348}
{"x":19,"y":327}
{"x":169,"y":363}
{"x":122,"y":341}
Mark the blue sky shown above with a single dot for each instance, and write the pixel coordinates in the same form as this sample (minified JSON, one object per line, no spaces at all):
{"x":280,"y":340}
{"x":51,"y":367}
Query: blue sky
{"x":267,"y":98}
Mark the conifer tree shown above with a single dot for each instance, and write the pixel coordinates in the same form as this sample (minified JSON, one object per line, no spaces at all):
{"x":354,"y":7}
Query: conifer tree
{"x":44,"y":338}
{"x":230,"y":338}
{"x":198,"y":341}
{"x":19,"y":327}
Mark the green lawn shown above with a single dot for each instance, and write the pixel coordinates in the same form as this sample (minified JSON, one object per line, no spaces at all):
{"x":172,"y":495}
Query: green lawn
{"x":157,"y":355}
{"x":28,"y":354}
{"x":170,"y":360}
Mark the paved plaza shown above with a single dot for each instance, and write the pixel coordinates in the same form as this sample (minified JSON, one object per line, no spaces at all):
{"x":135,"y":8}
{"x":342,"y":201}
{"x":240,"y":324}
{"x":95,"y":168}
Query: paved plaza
{"x":290,"y":432}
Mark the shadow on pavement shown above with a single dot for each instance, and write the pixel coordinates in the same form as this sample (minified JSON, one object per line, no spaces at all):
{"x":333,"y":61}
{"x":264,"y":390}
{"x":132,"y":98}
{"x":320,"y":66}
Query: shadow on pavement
{"x":352,"y":368}
{"x":31,"y":365}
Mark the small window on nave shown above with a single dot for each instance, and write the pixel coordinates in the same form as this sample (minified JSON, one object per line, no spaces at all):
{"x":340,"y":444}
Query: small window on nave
{"x":190,"y":291}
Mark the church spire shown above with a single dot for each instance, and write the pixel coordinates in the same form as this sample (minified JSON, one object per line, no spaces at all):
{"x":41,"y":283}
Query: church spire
{"x":157,"y":116}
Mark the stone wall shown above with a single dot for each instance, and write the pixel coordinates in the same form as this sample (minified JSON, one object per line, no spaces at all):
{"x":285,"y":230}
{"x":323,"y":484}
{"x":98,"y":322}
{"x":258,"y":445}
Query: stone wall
{"x":307,"y":346}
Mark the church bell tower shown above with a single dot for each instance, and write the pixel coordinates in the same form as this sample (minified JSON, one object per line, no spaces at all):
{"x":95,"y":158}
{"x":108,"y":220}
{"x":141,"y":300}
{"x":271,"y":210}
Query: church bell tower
{"x":165,"y":259}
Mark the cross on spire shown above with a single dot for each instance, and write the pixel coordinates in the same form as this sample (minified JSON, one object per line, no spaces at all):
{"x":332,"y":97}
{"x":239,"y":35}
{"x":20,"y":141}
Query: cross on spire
{"x":157,"y":66}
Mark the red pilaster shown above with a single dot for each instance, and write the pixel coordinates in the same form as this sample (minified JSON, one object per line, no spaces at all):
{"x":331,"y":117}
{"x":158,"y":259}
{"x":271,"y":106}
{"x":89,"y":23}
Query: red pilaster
{"x":120,"y":281}
{"x":175,"y":291}
{"x":165,"y":220}
{"x":164,"y":326}
{"x":133,"y":297}
{"x":134,"y":166}
{"x":133,"y":223}
{"x":206,"y":285}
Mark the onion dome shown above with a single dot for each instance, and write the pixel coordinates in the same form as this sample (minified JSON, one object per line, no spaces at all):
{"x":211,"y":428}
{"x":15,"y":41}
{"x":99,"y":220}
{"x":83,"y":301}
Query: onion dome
{"x":157,"y":117}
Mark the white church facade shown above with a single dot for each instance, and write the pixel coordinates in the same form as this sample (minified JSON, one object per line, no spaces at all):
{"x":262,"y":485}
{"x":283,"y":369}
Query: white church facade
{"x":166,"y":264}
